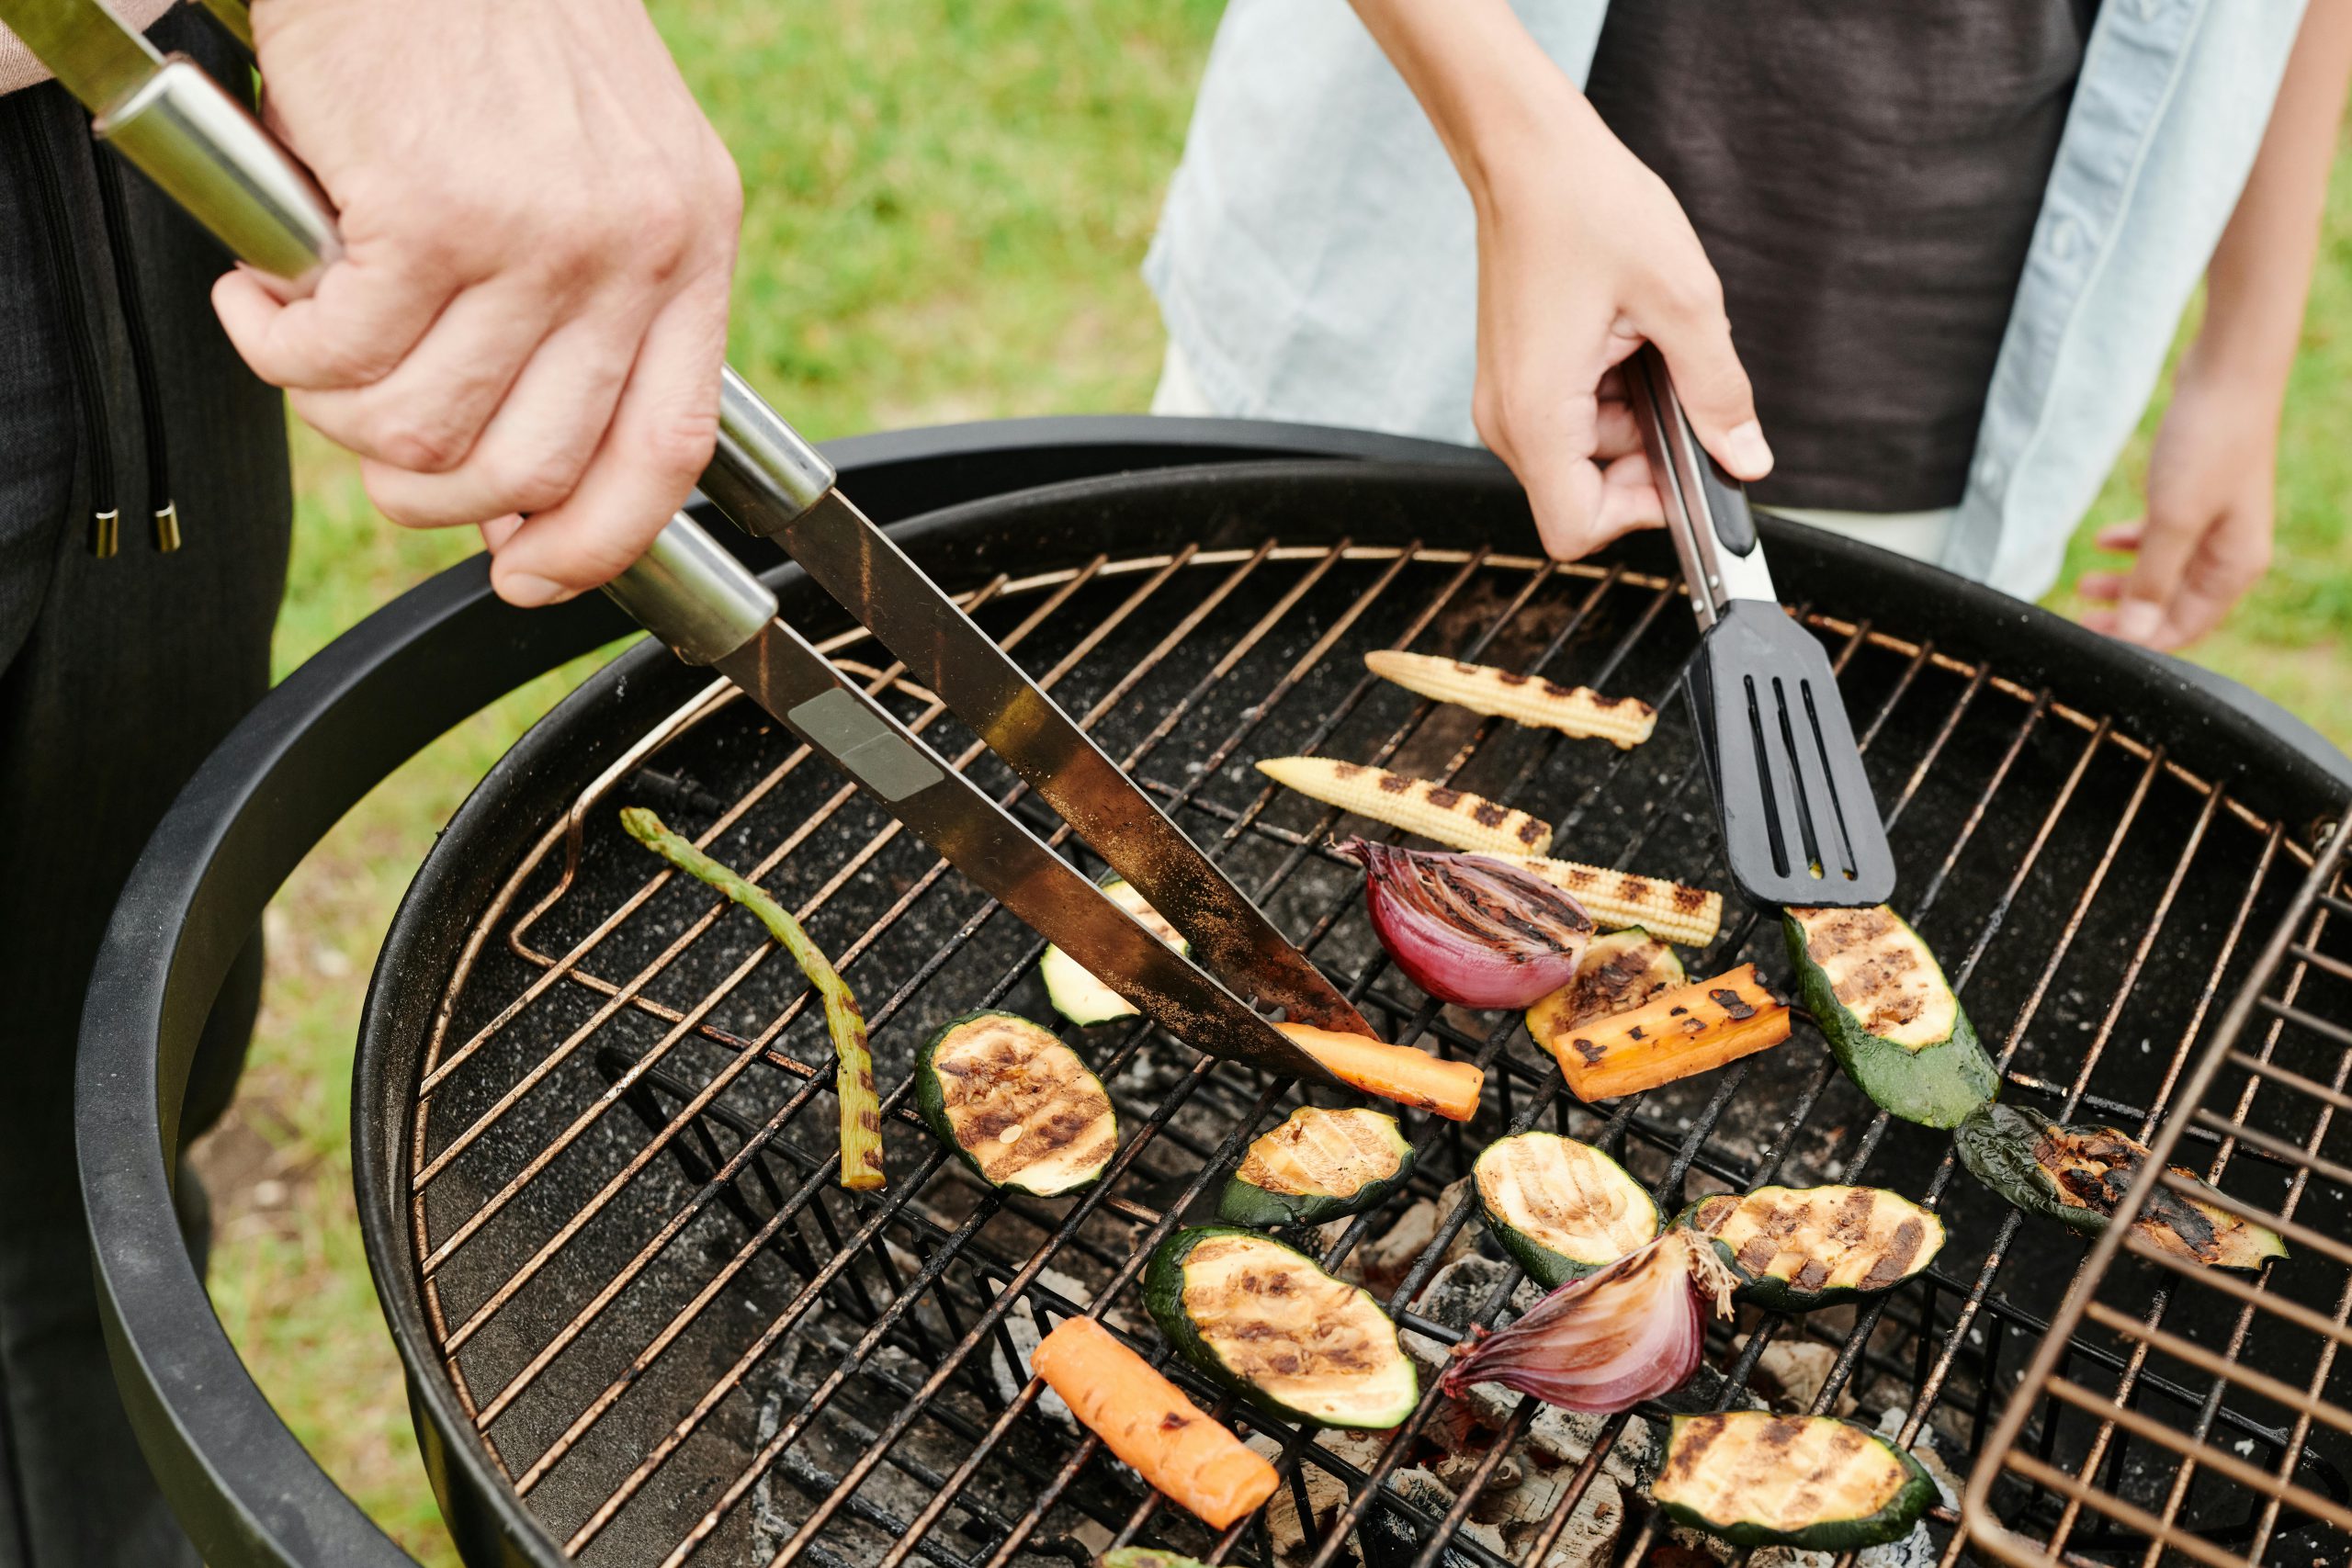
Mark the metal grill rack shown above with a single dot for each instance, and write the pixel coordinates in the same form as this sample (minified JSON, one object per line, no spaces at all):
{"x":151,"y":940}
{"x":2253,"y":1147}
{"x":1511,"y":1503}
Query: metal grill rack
{"x":681,"y":1342}
{"x":2178,"y":1346}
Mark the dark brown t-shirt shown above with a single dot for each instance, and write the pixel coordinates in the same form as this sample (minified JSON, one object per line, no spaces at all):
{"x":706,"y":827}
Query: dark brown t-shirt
{"x":1865,"y":178}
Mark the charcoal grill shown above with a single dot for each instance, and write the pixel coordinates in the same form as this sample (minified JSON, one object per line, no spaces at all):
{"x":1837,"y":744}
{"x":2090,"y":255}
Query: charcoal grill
{"x":592,"y":1119}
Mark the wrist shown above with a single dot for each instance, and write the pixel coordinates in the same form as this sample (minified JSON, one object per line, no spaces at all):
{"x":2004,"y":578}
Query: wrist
{"x":1520,"y":125}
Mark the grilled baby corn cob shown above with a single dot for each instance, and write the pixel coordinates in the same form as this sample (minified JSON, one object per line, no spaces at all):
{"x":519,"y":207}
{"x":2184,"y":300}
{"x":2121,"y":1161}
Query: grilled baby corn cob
{"x":1451,"y":817}
{"x":1667,"y":910}
{"x":1624,"y":722}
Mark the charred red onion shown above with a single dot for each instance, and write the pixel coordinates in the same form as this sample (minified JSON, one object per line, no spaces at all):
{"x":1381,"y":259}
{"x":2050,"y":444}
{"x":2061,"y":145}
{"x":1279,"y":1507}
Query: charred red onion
{"x":1606,"y":1342}
{"x":1469,"y":930}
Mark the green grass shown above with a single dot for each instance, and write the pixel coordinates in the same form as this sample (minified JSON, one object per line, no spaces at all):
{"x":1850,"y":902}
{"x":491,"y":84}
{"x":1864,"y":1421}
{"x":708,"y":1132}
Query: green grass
{"x":946,"y":207}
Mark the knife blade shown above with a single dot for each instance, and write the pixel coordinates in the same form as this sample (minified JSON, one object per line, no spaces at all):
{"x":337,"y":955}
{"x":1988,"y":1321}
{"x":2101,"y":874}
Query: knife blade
{"x":857,"y":563}
{"x":784,"y":673}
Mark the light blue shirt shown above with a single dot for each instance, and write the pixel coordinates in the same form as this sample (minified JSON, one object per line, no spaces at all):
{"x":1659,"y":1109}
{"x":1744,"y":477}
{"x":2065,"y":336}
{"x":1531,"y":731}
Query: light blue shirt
{"x":1316,"y":257}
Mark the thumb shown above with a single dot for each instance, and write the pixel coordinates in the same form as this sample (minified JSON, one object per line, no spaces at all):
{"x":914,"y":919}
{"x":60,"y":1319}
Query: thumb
{"x":2167,"y":544}
{"x":1695,"y":337}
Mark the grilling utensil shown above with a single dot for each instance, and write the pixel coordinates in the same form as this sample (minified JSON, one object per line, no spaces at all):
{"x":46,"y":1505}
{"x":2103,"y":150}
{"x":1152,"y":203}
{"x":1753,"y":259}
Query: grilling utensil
{"x":1799,"y":825}
{"x":215,"y":160}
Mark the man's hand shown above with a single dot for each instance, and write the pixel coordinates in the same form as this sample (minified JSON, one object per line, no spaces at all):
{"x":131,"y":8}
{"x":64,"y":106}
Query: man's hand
{"x":1583,"y":255}
{"x":530,"y":311}
{"x":2205,"y":538}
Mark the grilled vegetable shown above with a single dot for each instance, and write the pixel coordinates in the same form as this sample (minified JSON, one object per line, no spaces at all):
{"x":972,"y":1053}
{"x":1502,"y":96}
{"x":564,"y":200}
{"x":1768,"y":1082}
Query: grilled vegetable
{"x":1260,"y":1319}
{"x":1319,"y":1165}
{"x":861,"y":1107}
{"x":1470,"y":929}
{"x":1402,"y":1073}
{"x":1625,"y":722}
{"x":1078,"y":996}
{"x":1882,"y":1004}
{"x":1017,"y":1104}
{"x":1563,"y":1208}
{"x":1617,"y":899}
{"x":1145,"y":1557}
{"x":1673,"y":1035}
{"x":1452,"y":817}
{"x":2078,"y":1174}
{"x":1635,"y":1330}
{"x":1811,"y":1482}
{"x":1795,"y":1249}
{"x":1619,"y":971}
{"x":1146,"y":1421}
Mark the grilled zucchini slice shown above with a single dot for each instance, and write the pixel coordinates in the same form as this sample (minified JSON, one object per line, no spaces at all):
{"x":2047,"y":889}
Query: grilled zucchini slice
{"x":1260,"y":1318}
{"x":1078,"y":996}
{"x":2078,"y":1174}
{"x":1811,"y":1482}
{"x":1882,"y":1003}
{"x":1619,"y":971}
{"x":1563,"y":1208}
{"x":1319,"y":1165}
{"x":1016,"y":1104}
{"x":1795,"y":1249}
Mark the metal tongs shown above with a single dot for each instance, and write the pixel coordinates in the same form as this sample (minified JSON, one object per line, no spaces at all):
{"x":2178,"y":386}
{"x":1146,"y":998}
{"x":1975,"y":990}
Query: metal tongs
{"x":212,"y":157}
{"x":1799,"y":825}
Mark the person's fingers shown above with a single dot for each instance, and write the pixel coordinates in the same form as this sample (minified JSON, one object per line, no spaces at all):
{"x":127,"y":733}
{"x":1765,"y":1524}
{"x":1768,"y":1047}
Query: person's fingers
{"x":2104,"y":587}
{"x":352,"y":330}
{"x":657,"y":445}
{"x":1628,"y":499}
{"x":1690,"y":328}
{"x":498,"y":530}
{"x":2119,"y":535}
{"x":536,"y":446}
{"x":1616,"y":434}
{"x":429,"y":413}
{"x":2165,"y":545}
{"x":2231,"y":558}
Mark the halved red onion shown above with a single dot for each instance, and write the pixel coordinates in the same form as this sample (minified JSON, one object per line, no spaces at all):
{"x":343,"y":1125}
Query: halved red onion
{"x":1467,"y":929}
{"x":1606,"y":1342}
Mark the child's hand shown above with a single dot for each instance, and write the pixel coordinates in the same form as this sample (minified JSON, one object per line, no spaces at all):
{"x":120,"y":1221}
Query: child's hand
{"x":1583,"y":255}
{"x":2205,"y":538}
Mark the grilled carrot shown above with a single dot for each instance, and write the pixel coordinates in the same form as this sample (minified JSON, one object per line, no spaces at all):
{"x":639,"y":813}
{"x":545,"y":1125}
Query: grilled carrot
{"x":1616,"y":899}
{"x":1452,"y":817}
{"x":1146,"y":1421}
{"x":1673,"y":1035}
{"x":1402,"y":1073}
{"x":853,"y":1081}
{"x":1624,"y":722}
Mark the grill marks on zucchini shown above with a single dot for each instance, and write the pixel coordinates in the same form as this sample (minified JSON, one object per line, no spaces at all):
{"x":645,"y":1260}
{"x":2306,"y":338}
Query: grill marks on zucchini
{"x":1318,"y":1165}
{"x":1811,"y":1482}
{"x":2079,"y":1175}
{"x":1563,"y":1208}
{"x":1077,"y":995}
{"x":1017,"y":1104}
{"x":1889,"y":1015}
{"x":1797,"y":1248}
{"x":1262,"y":1319}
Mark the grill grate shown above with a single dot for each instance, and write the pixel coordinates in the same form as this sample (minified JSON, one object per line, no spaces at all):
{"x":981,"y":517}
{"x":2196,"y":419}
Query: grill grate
{"x":2158,"y":1460}
{"x":681,"y":1341}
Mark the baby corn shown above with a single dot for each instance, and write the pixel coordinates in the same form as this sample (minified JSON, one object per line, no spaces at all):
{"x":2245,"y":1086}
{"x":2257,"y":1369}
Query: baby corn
{"x":1667,"y":910}
{"x":1452,"y":817}
{"x":1624,"y":722}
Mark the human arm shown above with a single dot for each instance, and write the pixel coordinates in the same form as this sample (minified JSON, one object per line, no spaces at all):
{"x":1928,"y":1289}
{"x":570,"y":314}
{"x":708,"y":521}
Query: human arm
{"x":2205,"y":535}
{"x":529,"y":314}
{"x":1583,"y":255}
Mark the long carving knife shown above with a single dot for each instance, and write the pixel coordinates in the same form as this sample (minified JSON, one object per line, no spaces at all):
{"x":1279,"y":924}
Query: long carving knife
{"x":215,"y":160}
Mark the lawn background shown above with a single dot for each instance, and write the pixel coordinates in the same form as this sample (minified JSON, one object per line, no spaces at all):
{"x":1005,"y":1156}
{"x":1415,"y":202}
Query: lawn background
{"x":947,"y":204}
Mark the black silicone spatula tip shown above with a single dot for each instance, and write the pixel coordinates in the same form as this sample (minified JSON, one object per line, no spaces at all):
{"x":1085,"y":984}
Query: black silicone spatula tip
{"x":1800,"y":826}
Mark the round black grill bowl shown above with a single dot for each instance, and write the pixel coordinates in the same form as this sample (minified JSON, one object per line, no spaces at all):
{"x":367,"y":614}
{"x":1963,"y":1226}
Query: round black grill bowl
{"x":243,"y":1486}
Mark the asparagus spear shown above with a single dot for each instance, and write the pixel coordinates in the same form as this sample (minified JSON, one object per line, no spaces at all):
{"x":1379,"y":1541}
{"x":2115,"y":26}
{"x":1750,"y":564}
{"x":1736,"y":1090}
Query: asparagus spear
{"x":861,"y":1107}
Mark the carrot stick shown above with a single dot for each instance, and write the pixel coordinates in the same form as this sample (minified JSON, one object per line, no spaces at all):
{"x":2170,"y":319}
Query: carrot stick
{"x":1146,"y":1421}
{"x":1402,"y":1073}
{"x":1673,"y":1035}
{"x":853,"y":1080}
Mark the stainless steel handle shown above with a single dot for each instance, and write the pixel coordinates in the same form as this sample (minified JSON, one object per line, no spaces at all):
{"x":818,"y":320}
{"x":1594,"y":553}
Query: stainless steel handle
{"x":764,"y":475}
{"x":212,"y":157}
{"x":1713,"y":571}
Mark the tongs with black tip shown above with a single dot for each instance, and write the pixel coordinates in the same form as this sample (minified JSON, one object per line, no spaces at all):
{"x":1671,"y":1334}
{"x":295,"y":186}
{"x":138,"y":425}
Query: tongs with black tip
{"x":1799,"y":825}
{"x":211,"y":156}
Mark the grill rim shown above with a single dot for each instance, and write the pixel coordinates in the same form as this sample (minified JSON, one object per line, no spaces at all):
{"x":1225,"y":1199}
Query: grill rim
{"x":541,"y":773}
